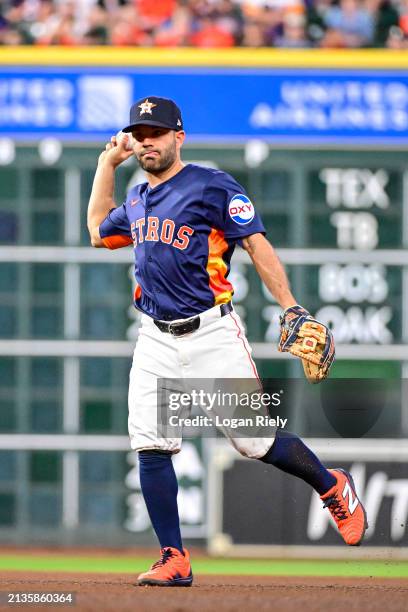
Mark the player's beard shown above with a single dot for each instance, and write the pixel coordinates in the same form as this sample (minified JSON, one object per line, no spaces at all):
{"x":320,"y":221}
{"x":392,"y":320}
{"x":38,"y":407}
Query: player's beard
{"x":160,"y":163}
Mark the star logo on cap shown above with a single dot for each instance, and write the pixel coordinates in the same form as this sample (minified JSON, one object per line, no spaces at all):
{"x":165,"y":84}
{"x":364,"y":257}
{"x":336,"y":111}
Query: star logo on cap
{"x":146,"y":107}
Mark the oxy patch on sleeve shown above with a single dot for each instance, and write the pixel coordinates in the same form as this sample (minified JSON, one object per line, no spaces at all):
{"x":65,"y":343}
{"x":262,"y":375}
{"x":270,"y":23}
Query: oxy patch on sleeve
{"x":240,"y":209}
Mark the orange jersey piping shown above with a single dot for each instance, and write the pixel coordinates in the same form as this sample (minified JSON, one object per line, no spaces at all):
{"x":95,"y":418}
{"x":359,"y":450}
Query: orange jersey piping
{"x":217,"y":269}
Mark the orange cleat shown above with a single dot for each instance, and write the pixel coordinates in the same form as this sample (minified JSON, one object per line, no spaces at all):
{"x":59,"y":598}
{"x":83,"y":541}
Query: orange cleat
{"x":172,"y":569}
{"x":345,"y":507}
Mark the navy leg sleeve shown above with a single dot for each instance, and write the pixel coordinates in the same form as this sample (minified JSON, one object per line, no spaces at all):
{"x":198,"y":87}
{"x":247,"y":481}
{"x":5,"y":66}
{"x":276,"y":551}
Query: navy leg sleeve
{"x":159,"y":487}
{"x":290,"y":454}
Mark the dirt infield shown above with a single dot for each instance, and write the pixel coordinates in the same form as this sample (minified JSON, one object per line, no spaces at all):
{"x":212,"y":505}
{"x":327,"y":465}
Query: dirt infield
{"x":118,"y":593}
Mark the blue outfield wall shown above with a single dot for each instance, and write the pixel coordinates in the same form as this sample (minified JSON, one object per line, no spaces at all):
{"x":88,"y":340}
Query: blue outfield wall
{"x":299,"y":106}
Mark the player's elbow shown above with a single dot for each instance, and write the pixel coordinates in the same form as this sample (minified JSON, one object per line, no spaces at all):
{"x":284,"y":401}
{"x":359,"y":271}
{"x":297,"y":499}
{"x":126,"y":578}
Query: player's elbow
{"x":98,"y":244}
{"x":96,"y":240}
{"x":252,"y":243}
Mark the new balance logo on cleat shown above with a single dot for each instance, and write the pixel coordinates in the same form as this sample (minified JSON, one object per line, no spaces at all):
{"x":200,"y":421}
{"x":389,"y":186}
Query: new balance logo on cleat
{"x":352,"y":503}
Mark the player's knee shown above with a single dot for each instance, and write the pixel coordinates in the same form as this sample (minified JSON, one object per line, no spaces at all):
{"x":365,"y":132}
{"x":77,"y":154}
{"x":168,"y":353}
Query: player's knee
{"x":252,"y":449}
{"x":245,"y":453}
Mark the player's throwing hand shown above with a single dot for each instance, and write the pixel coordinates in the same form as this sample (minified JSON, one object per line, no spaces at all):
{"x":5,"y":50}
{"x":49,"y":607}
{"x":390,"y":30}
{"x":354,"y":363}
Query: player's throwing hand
{"x":118,"y":150}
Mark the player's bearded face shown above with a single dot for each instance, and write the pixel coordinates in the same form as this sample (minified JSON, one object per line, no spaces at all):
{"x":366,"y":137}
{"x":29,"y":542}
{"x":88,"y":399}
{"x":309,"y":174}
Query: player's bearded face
{"x":157,"y":153}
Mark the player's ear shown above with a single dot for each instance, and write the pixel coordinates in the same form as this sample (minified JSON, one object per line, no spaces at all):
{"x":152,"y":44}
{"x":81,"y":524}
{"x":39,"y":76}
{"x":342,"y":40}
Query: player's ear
{"x":180,"y":137}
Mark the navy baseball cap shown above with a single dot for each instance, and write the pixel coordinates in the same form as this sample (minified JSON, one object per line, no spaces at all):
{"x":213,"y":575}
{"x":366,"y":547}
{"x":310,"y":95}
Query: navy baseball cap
{"x":160,"y":112}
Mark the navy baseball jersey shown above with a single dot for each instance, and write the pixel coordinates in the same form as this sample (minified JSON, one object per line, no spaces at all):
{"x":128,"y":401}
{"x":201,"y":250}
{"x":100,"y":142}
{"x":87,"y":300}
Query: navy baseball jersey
{"x":184,"y":232}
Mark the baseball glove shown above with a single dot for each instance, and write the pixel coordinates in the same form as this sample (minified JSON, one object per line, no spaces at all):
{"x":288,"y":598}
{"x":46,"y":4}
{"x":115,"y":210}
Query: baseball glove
{"x":311,"y":341}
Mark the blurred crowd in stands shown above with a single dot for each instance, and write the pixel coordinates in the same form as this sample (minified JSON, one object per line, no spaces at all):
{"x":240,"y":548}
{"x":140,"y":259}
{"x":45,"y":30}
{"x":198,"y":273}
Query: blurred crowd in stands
{"x":206,"y":23}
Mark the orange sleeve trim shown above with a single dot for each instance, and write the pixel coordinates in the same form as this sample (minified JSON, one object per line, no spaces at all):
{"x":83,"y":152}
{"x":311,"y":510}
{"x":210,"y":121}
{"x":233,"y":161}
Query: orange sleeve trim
{"x":116,"y":242}
{"x":137,"y":293}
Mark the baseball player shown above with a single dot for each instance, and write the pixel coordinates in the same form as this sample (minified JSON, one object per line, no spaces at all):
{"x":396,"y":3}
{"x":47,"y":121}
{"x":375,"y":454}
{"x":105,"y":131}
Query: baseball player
{"x":184,"y":223}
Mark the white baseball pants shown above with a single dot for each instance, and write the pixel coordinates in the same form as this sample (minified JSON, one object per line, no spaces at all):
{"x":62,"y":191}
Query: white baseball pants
{"x":218,"y":349}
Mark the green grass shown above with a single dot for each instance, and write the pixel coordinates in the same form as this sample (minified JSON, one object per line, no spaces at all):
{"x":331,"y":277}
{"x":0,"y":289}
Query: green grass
{"x":256,"y":567}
